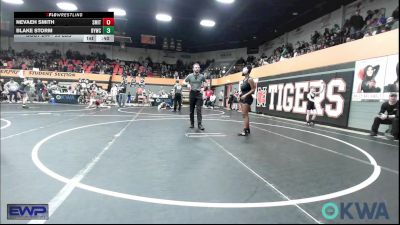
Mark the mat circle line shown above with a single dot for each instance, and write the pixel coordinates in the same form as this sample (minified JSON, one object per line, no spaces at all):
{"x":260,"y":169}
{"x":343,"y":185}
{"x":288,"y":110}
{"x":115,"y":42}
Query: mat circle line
{"x":373,"y":177}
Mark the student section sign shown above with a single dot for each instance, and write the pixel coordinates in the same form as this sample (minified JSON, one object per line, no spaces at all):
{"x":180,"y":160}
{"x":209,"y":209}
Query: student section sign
{"x":52,"y":75}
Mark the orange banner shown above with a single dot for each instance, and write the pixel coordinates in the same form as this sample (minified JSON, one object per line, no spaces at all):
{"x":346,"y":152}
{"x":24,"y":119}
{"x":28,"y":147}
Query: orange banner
{"x":55,"y":75}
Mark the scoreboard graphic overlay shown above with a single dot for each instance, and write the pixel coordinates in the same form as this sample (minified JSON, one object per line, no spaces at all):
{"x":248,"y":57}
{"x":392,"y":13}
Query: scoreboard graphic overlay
{"x":64,"y":27}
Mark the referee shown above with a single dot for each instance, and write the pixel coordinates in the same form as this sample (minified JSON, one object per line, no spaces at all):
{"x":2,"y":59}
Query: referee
{"x":195,"y":81}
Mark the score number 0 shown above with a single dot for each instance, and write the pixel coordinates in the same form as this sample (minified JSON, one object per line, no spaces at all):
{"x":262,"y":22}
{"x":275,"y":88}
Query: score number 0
{"x":108,"y":21}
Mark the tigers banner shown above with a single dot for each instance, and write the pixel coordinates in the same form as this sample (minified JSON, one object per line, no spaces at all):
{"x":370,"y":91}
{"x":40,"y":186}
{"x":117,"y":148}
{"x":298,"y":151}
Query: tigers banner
{"x":287,"y":96}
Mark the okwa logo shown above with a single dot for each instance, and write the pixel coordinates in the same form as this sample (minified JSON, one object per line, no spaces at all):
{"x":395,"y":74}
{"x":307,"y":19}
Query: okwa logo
{"x":355,"y":210}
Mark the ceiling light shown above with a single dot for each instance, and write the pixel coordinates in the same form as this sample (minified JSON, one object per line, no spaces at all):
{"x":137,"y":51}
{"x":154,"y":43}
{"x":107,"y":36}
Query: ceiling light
{"x":163,"y":17}
{"x":16,"y":2}
{"x":117,"y":11}
{"x":207,"y":23}
{"x":226,"y":1}
{"x":67,"y":6}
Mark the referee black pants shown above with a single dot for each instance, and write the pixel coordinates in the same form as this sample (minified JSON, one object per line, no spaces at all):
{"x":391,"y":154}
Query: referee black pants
{"x":196,"y":100}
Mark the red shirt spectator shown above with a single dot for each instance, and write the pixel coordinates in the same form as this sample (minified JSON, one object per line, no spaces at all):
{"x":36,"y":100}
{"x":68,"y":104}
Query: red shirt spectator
{"x":209,"y":92}
{"x":142,"y":69}
{"x":139,"y":91}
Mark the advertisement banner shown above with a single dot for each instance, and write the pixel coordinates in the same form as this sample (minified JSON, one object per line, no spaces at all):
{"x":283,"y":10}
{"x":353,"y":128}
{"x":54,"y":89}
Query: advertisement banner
{"x":287,"y":96}
{"x":375,"y":78}
{"x":66,"y":98}
{"x":148,"y":39}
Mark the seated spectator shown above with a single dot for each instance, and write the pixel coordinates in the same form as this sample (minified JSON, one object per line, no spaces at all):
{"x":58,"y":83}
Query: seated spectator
{"x":211,"y":101}
{"x":387,"y":115}
{"x":12,"y":89}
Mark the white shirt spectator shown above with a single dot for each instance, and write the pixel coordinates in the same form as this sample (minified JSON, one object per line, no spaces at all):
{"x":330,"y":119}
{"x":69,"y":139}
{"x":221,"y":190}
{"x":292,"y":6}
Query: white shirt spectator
{"x":12,"y":86}
{"x":212,"y":98}
{"x":114,"y":90}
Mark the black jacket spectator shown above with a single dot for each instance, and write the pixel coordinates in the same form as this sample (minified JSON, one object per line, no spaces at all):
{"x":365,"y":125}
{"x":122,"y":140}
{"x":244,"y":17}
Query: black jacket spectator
{"x":356,"y":21}
{"x":395,"y":13}
{"x":392,"y":112}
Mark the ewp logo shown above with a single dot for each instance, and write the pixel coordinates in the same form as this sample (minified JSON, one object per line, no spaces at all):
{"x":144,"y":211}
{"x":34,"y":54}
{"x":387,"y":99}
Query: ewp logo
{"x":27,"y":211}
{"x":364,"y":210}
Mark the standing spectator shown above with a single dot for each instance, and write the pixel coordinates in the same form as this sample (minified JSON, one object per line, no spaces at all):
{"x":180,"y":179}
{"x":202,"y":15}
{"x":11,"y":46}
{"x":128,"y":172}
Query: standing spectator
{"x":129,"y":97}
{"x":24,"y":89}
{"x":2,"y":90}
{"x":39,"y":90}
{"x":236,"y":100}
{"x":315,"y":37}
{"x":395,"y":14}
{"x":356,"y":24}
{"x":230,"y":100}
{"x":31,"y":90}
{"x":114,"y":93}
{"x":122,"y":95}
{"x":221,"y":98}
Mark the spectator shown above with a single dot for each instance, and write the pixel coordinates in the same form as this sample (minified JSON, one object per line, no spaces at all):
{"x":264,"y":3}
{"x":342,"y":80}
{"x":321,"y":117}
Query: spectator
{"x":356,"y":24}
{"x":395,"y":13}
{"x":122,"y":94}
{"x":315,"y":37}
{"x":39,"y":90}
{"x":114,"y":93}
{"x":129,"y":97}
{"x":236,"y":100}
{"x":369,"y":16}
{"x":221,"y":98}
{"x":12,"y":88}
{"x":211,"y":101}
{"x":387,"y":115}
{"x":3,"y":93}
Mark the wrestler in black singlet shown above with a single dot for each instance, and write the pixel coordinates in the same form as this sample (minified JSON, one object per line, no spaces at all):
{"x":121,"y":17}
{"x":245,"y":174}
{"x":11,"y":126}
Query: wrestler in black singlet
{"x":245,"y":88}
{"x":310,"y":104}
